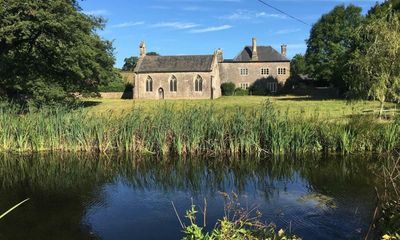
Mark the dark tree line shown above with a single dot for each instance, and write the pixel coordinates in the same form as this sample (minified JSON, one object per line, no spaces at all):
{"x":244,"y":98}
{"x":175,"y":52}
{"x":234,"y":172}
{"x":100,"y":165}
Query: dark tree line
{"x":343,"y":52}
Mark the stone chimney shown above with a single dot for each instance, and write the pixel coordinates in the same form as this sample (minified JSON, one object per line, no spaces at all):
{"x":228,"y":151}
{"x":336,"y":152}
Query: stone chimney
{"x":254,"y":56}
{"x":283,"y":50}
{"x":219,"y":55}
{"x":142,"y":48}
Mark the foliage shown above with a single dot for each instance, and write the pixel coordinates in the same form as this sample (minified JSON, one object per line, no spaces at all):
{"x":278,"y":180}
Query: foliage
{"x":389,"y":215}
{"x":50,"y":49}
{"x":117,"y":84}
{"x":331,"y":40}
{"x":228,"y":89}
{"x":152,"y":54}
{"x":260,"y":86}
{"x":237,"y":224}
{"x":298,"y":65}
{"x":241,"y":92}
{"x":374,"y":65}
{"x":130,"y":63}
{"x":190,"y":130}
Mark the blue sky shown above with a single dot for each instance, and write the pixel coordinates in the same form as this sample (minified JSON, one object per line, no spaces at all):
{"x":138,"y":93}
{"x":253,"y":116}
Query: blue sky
{"x":178,"y":27}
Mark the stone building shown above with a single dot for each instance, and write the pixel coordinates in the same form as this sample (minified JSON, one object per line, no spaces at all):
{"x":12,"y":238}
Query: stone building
{"x":257,"y":63}
{"x":177,"y":77}
{"x":200,"y":76}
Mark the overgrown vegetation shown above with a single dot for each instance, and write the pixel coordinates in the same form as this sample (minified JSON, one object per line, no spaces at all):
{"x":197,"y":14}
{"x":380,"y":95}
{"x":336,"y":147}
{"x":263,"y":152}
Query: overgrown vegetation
{"x":237,"y":223}
{"x":191,"y":130}
{"x":388,"y":209}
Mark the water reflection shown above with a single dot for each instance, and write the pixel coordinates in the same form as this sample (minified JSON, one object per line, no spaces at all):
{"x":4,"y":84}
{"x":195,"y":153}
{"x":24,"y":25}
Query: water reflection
{"x":121,"y":197}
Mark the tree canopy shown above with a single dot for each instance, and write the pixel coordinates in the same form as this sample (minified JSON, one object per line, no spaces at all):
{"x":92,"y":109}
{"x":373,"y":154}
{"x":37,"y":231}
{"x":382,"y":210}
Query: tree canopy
{"x":130,"y":62}
{"x":298,"y":65}
{"x":375,"y":68}
{"x":331,"y":39}
{"x":49,"y":49}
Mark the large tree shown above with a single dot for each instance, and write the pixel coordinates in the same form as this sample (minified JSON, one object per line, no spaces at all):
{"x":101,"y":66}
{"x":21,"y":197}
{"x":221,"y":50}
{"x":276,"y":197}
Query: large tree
{"x":130,"y":63}
{"x":375,"y":64}
{"x":298,"y":65}
{"x":49,"y":49}
{"x":331,"y":40}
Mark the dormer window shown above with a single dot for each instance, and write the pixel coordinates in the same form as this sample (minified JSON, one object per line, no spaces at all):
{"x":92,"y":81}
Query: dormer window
{"x":244,"y":71}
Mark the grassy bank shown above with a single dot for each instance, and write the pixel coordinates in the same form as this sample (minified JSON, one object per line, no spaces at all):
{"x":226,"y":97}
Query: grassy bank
{"x":193,"y":129}
{"x":293,"y":106}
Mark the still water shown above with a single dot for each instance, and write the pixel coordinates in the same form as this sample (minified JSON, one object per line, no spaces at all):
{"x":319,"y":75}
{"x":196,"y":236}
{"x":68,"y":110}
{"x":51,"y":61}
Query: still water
{"x":121,"y":197}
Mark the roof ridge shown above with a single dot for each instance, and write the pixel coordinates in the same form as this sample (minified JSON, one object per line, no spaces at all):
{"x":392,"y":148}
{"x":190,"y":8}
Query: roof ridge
{"x":194,"y":55}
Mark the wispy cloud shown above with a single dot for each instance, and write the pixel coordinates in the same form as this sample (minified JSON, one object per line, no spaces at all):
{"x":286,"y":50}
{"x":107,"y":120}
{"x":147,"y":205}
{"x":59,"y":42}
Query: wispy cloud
{"x":175,"y":25}
{"x":98,"y":12}
{"x":241,"y":14}
{"x":194,"y":8}
{"x":127,"y":24}
{"x":211,"y":29}
{"x":288,"y":31}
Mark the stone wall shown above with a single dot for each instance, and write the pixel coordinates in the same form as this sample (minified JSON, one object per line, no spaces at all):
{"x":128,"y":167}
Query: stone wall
{"x":230,"y":72}
{"x":111,"y":95}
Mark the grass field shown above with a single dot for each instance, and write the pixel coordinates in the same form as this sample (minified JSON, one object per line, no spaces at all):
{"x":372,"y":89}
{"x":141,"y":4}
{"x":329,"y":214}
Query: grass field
{"x":288,"y":105}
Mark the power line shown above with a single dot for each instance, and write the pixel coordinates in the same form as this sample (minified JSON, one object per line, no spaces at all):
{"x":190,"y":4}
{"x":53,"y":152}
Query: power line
{"x":283,"y":12}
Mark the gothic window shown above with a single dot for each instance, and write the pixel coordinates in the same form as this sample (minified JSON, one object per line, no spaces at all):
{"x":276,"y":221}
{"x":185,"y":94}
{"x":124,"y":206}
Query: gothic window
{"x":173,"y":84}
{"x":198,"y":84}
{"x":149,"y":84}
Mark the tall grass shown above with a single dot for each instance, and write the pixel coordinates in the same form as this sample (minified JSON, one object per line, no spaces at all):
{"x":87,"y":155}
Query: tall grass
{"x":190,"y":130}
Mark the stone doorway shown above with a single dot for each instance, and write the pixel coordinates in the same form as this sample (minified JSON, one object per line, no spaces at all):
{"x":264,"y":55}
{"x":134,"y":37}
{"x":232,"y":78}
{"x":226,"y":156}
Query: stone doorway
{"x":160,"y":93}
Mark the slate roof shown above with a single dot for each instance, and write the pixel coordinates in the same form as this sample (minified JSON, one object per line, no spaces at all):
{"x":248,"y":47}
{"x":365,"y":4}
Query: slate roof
{"x":265,"y":54}
{"x":186,"y":63}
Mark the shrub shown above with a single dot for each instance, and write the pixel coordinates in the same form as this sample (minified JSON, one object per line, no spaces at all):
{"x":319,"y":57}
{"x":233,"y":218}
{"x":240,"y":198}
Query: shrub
{"x":241,"y":92}
{"x":116,"y":85}
{"x":228,"y":89}
{"x":260,"y":86}
{"x":237,"y":223}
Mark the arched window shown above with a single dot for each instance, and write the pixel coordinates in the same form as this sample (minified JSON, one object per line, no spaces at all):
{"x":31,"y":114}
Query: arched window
{"x":198,"y":84}
{"x":173,"y":84}
{"x":149,"y":84}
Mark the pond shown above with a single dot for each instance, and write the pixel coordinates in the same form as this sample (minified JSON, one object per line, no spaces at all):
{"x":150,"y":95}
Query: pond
{"x":122,"y":197}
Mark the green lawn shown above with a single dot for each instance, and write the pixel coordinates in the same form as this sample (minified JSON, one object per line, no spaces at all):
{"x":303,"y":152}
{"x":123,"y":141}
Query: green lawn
{"x":293,"y":105}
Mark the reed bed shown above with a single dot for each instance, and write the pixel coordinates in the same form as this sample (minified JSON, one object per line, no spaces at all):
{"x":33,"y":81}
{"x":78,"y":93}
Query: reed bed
{"x":193,"y":130}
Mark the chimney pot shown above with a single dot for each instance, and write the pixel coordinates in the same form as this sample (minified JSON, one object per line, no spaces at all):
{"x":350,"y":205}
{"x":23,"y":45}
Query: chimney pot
{"x":142,"y":48}
{"x":283,"y":50}
{"x":254,"y":55}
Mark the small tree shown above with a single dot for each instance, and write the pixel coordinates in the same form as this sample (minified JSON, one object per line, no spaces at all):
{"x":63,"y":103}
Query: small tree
{"x":375,"y":64}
